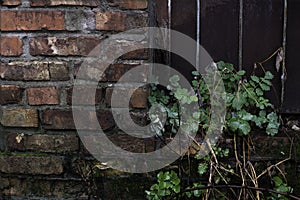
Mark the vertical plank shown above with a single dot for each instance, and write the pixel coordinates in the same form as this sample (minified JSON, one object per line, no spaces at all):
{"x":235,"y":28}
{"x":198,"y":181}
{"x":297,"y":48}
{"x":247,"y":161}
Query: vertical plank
{"x":220,"y":29}
{"x":262,"y":35}
{"x":184,"y":20}
{"x":291,"y":103}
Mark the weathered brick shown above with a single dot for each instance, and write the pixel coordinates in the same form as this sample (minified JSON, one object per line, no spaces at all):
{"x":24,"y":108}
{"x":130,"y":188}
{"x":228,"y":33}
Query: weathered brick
{"x":10,"y":94}
{"x":31,"y":20}
{"x":10,"y":46}
{"x":43,"y":143}
{"x":50,"y":46}
{"x":25,"y":71}
{"x":118,"y":21}
{"x":11,"y":2}
{"x":111,"y":21}
{"x":112,"y":73}
{"x":141,"y":54}
{"x":15,"y":142}
{"x":41,"y":188}
{"x":63,"y":119}
{"x":128,"y":143}
{"x":138,"y":99}
{"x":267,"y":147}
{"x":87,"y":97}
{"x":78,"y":20}
{"x":122,"y":140}
{"x":43,"y":96}
{"x":136,"y":20}
{"x":19,"y":118}
{"x":129,"y":4}
{"x":139,"y":118}
{"x":92,"y":3}
{"x":59,"y":71}
{"x":25,"y":164}
{"x":115,"y":71}
{"x":58,"y":119}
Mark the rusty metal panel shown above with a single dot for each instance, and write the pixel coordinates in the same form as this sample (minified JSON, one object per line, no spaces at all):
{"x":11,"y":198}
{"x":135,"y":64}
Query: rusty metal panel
{"x":220,"y":29}
{"x":291,"y":102}
{"x":262,"y":35}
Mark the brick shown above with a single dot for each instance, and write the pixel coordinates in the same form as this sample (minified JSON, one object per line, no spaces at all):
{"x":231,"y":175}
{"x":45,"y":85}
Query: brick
{"x":25,"y":71}
{"x":141,"y":54}
{"x":136,"y":20}
{"x":31,"y":20}
{"x":19,"y":118}
{"x":115,"y":71}
{"x":128,"y":143}
{"x":10,"y":46}
{"x":139,"y":118}
{"x":15,"y":142}
{"x":63,"y":119}
{"x":119,"y":21}
{"x":122,"y":140}
{"x":25,"y":164}
{"x":44,"y":143}
{"x":92,"y":3}
{"x":11,"y":2}
{"x":10,"y":94}
{"x":58,"y":119}
{"x":269,"y":147}
{"x":78,"y":20}
{"x":59,"y":71}
{"x":110,"y":21}
{"x":41,"y":188}
{"x":111,"y":74}
{"x":138,"y":98}
{"x":88,"y":96}
{"x":43,"y":96}
{"x":66,"y":46}
{"x":129,"y":4}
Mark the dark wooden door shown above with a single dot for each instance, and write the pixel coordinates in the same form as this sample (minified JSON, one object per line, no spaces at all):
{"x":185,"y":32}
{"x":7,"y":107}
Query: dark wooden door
{"x":245,"y":33}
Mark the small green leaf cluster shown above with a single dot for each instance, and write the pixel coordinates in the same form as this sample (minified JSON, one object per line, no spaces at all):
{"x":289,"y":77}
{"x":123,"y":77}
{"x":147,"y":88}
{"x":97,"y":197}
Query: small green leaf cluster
{"x":280,"y":186}
{"x":170,"y":99}
{"x":246,"y":108}
{"x":245,"y":100}
{"x":168,"y":184}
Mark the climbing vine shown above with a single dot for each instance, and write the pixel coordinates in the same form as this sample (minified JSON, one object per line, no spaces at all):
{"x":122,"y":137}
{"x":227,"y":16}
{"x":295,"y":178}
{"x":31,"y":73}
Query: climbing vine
{"x":218,"y":176}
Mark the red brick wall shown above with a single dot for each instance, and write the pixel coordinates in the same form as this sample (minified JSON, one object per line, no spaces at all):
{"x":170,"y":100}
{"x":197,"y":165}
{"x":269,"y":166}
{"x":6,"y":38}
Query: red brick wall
{"x":39,"y":146}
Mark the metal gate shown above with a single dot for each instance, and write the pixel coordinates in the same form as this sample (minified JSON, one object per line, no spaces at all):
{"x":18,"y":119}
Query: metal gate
{"x":246,"y":33}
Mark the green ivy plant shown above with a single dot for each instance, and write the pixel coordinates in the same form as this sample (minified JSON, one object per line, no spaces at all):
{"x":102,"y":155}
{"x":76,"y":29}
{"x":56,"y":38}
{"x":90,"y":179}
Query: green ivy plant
{"x":246,"y":108}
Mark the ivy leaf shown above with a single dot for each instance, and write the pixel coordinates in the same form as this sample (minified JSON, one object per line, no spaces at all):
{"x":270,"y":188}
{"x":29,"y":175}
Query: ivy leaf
{"x":269,"y":75}
{"x":188,"y":194}
{"x":239,"y":101}
{"x":176,"y":188}
{"x":259,"y":92}
{"x":241,"y":73}
{"x":202,"y":168}
{"x":174,"y":80}
{"x":255,"y":79}
{"x":272,"y":116}
{"x":233,"y":124}
{"x":278,"y":181}
{"x":239,"y":125}
{"x":265,"y":87}
{"x":245,"y":127}
{"x":196,"y":73}
{"x":267,"y":82}
{"x":194,"y":98}
{"x":244,"y":115}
